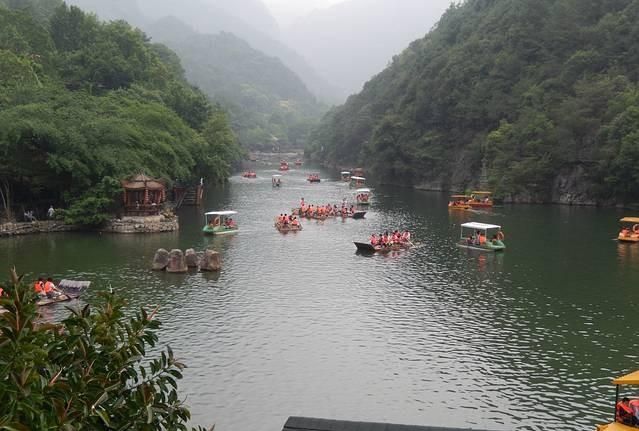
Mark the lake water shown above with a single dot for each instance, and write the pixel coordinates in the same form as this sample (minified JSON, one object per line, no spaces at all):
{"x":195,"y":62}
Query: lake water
{"x":299,"y":324}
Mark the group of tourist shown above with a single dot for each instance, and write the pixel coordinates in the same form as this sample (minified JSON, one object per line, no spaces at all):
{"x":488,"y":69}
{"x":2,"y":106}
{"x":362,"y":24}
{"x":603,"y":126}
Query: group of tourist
{"x":479,"y":238}
{"x":328,"y":210}
{"x":46,"y":289}
{"x":285,"y":220}
{"x":229,"y":223}
{"x":363,"y":197}
{"x":314,"y":178}
{"x":387,"y":239}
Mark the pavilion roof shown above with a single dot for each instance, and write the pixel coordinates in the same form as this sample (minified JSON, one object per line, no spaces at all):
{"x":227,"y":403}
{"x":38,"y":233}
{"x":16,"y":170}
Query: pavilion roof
{"x":143,"y":182}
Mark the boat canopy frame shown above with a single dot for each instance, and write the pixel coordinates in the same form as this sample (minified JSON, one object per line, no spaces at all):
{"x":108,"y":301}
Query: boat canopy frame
{"x":358,"y":178}
{"x":362,"y":191}
{"x":480,"y":226}
{"x":634,"y":220}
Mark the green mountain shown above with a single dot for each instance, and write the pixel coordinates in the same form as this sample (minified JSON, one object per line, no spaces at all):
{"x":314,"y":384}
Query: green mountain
{"x":266,"y":100}
{"x":84,"y":104}
{"x":542,"y":94}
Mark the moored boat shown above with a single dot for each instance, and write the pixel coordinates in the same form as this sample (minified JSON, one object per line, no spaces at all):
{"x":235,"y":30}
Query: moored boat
{"x":363,"y":196}
{"x":629,"y":229}
{"x":220,"y":223}
{"x":479,"y":199}
{"x":624,"y":408}
{"x":475,"y":236}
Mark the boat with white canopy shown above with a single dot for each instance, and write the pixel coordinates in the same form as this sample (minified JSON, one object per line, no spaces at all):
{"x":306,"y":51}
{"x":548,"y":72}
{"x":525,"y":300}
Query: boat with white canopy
{"x":220,"y":223}
{"x":481,"y":236}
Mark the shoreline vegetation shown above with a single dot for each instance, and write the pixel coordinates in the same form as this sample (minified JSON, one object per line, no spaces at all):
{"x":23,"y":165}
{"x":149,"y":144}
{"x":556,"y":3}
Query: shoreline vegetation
{"x":85,"y":104}
{"x":92,"y":370}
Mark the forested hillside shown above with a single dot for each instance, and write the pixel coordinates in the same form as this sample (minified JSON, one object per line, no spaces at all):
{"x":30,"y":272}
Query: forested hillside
{"x":265,"y":99}
{"x":544,"y":92}
{"x":85,"y":103}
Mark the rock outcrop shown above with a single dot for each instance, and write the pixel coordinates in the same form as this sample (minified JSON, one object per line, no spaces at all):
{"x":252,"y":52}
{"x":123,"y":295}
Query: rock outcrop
{"x":160,"y":260}
{"x":210,"y":261}
{"x":177,"y":262}
{"x":191,"y":258}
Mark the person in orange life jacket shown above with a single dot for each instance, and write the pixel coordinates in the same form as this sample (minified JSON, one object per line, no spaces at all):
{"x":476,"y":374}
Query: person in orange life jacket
{"x":38,"y":287}
{"x":50,"y":290}
{"x":624,"y":412}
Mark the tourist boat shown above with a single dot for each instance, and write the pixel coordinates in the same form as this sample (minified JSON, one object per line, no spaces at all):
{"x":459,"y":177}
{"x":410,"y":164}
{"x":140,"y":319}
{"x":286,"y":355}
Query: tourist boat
{"x":298,"y":162}
{"x":480,"y":199}
{"x":367,"y":248}
{"x":363,"y":196}
{"x":219,"y":223}
{"x":70,"y":289}
{"x":277,"y":180}
{"x":286,"y":228}
{"x":631,"y":379}
{"x":357,"y":215}
{"x":471,"y":237}
{"x":358,"y":182}
{"x":346,"y":176}
{"x":249,"y":174}
{"x":284,"y":165}
{"x":629,"y":229}
{"x":313,"y":178}
{"x":459,"y":202}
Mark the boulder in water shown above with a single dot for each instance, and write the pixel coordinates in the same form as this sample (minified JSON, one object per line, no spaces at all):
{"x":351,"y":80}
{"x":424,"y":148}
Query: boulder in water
{"x":211,"y":261}
{"x":191,"y":258}
{"x":160,"y":260}
{"x":177,"y":262}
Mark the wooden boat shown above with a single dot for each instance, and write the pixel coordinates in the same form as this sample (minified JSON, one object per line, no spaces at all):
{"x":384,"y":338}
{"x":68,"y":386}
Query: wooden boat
{"x":70,"y":289}
{"x":249,"y":174}
{"x":286,"y":228}
{"x":480,"y":199}
{"x":346,"y":176}
{"x":363,"y":196}
{"x":475,"y":236}
{"x":367,"y":248}
{"x":357,"y":215}
{"x":284,"y":165}
{"x":617,"y":424}
{"x":219,"y":223}
{"x":629,"y":229}
{"x":358,"y":182}
{"x":459,"y":202}
{"x":277,"y":180}
{"x":314,"y":178}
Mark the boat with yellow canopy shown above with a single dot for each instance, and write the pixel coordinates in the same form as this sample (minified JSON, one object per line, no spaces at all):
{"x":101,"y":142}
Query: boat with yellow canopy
{"x":629,"y":229}
{"x":459,"y":202}
{"x":479,"y":199}
{"x":617,"y":424}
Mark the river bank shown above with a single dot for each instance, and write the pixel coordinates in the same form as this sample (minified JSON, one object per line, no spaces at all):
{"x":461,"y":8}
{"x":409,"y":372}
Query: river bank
{"x":124,"y":225}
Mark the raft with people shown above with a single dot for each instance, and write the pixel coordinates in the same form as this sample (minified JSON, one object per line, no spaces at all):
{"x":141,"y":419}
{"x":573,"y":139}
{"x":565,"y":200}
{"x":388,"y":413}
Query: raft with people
{"x":284,"y":165}
{"x":629,"y":231}
{"x":313,"y":178}
{"x":67,"y":290}
{"x":386,"y":242}
{"x":322,"y":212}
{"x":287,"y":223}
{"x":249,"y":174}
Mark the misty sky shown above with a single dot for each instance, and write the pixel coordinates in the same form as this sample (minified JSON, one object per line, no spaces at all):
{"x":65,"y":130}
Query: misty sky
{"x":286,"y":11}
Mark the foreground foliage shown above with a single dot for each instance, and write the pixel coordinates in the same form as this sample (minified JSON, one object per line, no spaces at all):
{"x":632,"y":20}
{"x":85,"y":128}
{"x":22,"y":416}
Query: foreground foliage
{"x":91,"y":371}
{"x":85,"y":103}
{"x":543,"y":92}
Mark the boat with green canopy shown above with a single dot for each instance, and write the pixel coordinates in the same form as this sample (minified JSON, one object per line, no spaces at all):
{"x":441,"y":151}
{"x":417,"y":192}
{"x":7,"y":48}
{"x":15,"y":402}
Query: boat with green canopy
{"x":220,"y":223}
{"x":481,"y":236}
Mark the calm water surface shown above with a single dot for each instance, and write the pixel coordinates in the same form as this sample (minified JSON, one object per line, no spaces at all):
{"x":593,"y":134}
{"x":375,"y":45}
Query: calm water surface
{"x":299,"y":324}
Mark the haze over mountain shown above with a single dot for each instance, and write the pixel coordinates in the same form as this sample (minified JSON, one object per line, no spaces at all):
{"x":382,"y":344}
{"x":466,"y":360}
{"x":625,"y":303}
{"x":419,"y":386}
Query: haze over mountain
{"x":351,"y":41}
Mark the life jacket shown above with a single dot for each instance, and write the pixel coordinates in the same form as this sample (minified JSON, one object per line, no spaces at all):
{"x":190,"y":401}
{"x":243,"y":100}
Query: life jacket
{"x":38,"y":286}
{"x":48,"y":287}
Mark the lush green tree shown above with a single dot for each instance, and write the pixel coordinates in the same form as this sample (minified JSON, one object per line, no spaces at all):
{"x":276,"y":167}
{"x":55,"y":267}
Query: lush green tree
{"x":91,"y":371}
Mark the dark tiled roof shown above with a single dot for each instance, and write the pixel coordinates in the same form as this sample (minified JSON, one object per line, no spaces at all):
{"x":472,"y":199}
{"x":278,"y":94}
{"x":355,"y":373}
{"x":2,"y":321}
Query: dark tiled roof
{"x":312,"y":424}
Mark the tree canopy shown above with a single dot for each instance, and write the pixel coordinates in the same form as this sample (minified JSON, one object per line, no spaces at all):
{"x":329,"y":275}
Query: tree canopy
{"x":87,"y":103}
{"x":536,"y":91}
